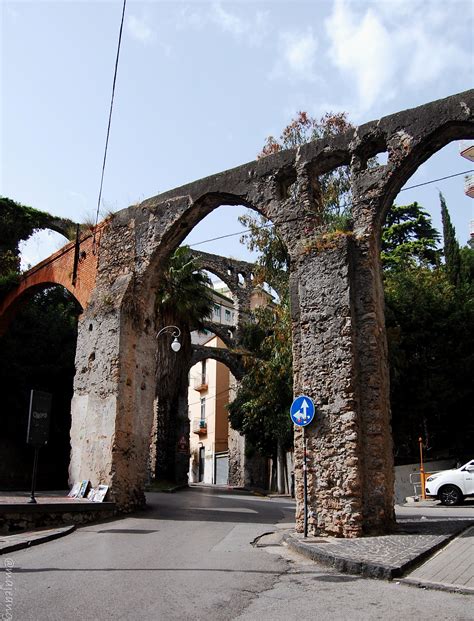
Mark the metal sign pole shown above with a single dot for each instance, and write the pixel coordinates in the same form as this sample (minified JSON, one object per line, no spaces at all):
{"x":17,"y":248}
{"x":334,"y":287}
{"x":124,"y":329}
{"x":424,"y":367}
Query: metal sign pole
{"x":302,"y":413}
{"x":32,"y":500}
{"x":305,"y":485}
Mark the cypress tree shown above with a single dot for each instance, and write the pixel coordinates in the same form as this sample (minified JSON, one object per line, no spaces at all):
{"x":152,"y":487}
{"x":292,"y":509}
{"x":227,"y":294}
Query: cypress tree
{"x":452,"y":251}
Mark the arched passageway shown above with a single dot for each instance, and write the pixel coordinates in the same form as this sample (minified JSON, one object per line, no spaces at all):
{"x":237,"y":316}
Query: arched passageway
{"x":37,"y":353}
{"x":215,"y":346}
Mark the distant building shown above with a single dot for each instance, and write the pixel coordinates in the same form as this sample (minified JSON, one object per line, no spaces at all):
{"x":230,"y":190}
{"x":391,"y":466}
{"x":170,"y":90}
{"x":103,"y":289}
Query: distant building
{"x":467,"y":151}
{"x":210,"y":389}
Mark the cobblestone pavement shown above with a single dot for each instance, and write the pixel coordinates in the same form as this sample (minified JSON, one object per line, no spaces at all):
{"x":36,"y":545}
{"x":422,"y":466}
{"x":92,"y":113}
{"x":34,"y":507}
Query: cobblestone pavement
{"x":387,"y":556}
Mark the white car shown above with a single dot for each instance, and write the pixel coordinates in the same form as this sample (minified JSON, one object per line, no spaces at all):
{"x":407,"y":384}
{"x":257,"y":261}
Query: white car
{"x":451,"y":486}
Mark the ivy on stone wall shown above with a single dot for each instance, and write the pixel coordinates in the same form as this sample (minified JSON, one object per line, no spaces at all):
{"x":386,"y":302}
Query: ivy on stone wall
{"x":17,"y":223}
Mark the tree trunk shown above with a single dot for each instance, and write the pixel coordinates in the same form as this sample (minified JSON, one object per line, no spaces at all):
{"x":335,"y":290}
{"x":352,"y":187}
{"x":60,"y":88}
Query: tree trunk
{"x":171,"y":402}
{"x":281,"y":487}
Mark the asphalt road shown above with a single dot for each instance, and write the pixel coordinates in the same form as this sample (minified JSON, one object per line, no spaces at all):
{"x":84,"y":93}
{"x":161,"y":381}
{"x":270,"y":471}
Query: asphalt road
{"x":189,"y":556}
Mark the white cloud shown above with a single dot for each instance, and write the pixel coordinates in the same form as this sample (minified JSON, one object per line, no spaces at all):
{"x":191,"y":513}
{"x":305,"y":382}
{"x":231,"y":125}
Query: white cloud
{"x":252,"y":29}
{"x":299,"y":52}
{"x":362,"y":51}
{"x":427,"y":63}
{"x":296,"y":57}
{"x":381,"y":48}
{"x":139,"y":29}
{"x":227,"y":21}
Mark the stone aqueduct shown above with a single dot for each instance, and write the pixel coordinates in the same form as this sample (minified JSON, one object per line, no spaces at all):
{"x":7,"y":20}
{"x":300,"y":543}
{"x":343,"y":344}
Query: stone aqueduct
{"x":339,"y":344}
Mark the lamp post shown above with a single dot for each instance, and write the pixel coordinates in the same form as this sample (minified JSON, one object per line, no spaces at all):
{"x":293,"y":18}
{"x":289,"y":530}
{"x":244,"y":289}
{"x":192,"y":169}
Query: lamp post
{"x":162,"y":436}
{"x":175,"y":332}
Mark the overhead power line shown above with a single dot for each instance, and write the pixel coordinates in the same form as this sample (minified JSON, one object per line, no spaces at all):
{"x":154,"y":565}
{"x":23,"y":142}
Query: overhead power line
{"x":418,"y":185}
{"x":210,"y":397}
{"x":110,"y":113}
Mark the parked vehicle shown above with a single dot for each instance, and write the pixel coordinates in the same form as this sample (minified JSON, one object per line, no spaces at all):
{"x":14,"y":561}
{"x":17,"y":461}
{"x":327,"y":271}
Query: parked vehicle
{"x":452,"y":486}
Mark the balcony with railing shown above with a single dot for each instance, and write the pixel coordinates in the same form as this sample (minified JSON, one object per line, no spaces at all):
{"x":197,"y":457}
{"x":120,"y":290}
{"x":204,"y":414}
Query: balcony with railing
{"x":200,"y":383}
{"x":199,"y":426}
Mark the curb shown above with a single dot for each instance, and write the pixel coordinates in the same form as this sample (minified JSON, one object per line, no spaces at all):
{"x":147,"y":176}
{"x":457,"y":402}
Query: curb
{"x":437,"y":586}
{"x":363,"y":568}
{"x":34,"y":541}
{"x":340,"y":563}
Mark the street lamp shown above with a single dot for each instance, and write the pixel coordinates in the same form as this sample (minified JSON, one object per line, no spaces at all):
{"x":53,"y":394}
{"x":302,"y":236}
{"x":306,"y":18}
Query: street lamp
{"x":176,"y":333}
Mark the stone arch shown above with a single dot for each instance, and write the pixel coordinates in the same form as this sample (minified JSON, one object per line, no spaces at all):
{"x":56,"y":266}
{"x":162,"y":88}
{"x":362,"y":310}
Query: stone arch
{"x":231,"y":360}
{"x":186,"y":212}
{"x":15,"y":299}
{"x":222,"y":331}
{"x":411,"y":139}
{"x":231,"y":272}
{"x":425,"y":149}
{"x":63,"y":226}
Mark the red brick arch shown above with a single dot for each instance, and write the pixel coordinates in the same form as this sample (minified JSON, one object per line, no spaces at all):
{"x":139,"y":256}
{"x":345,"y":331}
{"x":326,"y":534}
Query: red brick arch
{"x":57,"y":269}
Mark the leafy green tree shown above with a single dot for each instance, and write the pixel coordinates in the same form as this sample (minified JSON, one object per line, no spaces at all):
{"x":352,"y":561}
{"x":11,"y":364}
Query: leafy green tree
{"x":184,"y":299}
{"x":409,"y":239}
{"x":467,"y":266}
{"x":260,"y":409}
{"x":429,"y":319}
{"x":430,"y":330}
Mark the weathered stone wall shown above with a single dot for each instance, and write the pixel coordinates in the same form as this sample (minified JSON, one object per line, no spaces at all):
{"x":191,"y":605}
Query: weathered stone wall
{"x":17,"y":519}
{"x":326,"y":363}
{"x":114,"y":384}
{"x":236,"y":458}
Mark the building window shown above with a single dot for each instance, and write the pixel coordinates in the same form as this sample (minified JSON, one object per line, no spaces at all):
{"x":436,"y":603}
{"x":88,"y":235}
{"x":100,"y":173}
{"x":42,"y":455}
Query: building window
{"x":217,"y":311}
{"x":203,"y":372}
{"x":203,"y":408}
{"x":227,"y":315}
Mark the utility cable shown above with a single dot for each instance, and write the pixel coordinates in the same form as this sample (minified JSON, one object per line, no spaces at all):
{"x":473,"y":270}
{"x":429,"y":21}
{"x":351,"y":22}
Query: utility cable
{"x":418,"y":185}
{"x":110,"y":118}
{"x":270,"y":224}
{"x":208,"y":398}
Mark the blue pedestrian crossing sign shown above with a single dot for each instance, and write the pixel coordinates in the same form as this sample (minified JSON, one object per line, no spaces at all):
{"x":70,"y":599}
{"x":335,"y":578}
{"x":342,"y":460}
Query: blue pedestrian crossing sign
{"x":302,"y":411}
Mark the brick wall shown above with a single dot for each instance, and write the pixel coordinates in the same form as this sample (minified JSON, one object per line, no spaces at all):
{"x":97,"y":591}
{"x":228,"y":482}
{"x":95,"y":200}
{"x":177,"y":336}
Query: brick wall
{"x":58,"y":269}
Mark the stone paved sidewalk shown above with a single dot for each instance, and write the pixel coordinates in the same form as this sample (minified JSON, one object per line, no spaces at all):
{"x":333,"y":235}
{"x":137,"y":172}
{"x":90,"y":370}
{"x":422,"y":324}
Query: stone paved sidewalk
{"x":451,"y":568}
{"x":387,"y":556}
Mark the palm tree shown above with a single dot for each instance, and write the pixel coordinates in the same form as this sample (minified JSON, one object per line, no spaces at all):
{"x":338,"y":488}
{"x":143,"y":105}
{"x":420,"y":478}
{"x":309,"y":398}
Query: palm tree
{"x":184,"y":299}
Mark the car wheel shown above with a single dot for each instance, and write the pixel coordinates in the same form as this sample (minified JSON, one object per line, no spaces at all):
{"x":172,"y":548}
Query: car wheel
{"x":450,"y":495}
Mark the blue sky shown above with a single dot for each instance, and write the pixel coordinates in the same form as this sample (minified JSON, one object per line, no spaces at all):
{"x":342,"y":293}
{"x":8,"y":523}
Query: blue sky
{"x":200,"y":86}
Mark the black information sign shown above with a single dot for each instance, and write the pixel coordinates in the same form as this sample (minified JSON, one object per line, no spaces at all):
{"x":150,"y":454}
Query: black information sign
{"x":38,"y":421}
